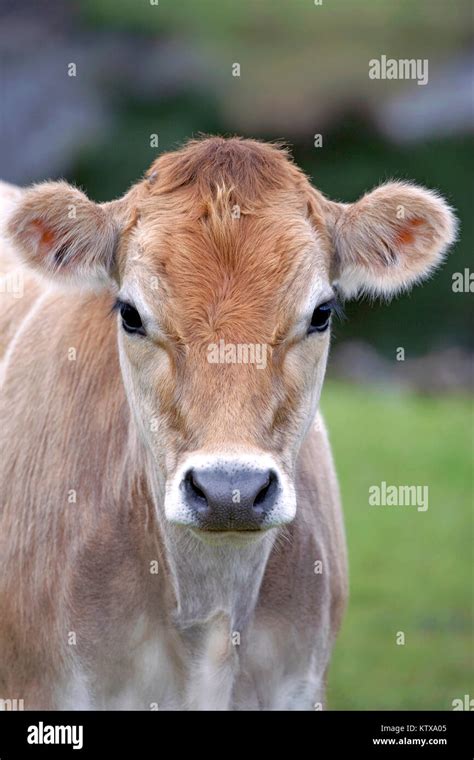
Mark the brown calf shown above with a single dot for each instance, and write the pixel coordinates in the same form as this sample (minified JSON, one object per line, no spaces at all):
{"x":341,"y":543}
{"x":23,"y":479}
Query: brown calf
{"x":170,"y":527}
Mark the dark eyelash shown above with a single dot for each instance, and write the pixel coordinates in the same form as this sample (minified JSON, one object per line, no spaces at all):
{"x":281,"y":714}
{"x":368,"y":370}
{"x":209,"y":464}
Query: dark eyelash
{"x":116,"y":306}
{"x":337,"y":307}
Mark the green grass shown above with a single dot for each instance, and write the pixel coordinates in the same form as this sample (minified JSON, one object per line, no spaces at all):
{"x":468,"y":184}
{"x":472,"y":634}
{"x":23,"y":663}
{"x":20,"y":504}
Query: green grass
{"x":410,"y":571}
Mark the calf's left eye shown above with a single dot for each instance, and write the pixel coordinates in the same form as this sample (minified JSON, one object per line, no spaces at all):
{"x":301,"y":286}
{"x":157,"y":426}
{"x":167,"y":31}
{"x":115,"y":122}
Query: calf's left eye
{"x":321,"y":318}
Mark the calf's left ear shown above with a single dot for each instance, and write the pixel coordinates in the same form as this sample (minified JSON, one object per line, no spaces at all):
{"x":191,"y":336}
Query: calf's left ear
{"x":390,"y":239}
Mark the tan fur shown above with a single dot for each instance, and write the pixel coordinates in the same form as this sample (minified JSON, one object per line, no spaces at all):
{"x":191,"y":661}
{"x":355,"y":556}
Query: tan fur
{"x":393,"y":237}
{"x":223,"y":239}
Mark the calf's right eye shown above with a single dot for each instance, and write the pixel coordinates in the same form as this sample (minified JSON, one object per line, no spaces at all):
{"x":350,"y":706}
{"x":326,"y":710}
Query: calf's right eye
{"x":131,"y":320}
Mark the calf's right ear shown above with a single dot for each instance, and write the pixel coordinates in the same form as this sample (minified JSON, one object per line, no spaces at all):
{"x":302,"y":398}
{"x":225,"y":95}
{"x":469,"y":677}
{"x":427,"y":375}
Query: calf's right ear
{"x":60,"y":233}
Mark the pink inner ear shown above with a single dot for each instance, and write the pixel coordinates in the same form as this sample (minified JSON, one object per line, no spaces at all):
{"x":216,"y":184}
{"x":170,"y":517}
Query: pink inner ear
{"x":46,"y":238}
{"x":406,"y":236}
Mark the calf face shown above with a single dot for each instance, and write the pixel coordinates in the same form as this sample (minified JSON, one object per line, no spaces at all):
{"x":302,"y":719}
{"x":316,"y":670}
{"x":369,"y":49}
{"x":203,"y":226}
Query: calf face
{"x":226,"y":266}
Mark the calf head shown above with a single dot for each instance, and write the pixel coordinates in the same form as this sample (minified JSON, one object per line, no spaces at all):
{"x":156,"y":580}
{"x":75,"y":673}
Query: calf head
{"x":226,"y":266}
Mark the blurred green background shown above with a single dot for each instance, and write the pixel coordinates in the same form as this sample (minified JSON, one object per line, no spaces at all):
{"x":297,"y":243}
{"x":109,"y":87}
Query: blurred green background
{"x":165,"y":69}
{"x":410,"y":571}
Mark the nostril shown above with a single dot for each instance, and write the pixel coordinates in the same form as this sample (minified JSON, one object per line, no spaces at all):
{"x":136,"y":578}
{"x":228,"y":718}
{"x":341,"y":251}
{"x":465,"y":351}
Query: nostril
{"x":260,"y":497}
{"x":193,"y":487}
{"x":264,"y":492}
